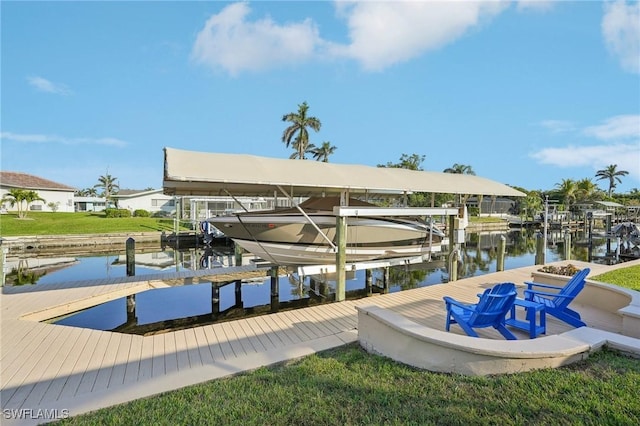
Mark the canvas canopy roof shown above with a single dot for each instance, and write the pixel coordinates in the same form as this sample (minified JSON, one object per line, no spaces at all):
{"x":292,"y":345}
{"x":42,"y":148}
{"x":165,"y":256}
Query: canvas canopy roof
{"x":206,"y":173}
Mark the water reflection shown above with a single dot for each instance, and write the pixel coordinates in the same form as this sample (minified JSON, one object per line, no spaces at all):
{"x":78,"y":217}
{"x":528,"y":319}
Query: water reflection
{"x":478,"y":255}
{"x":183,"y":306}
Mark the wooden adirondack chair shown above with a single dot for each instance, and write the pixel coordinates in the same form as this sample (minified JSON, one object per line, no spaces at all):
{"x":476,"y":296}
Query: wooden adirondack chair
{"x":556,"y":299}
{"x":490,"y":311}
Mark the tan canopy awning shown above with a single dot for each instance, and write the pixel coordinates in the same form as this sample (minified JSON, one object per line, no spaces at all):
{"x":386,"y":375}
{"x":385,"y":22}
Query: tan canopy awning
{"x":206,"y":173}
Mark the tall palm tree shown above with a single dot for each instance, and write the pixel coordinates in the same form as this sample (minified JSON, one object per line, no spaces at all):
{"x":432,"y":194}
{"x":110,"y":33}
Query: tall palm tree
{"x":108,"y":185}
{"x":301,"y":154}
{"x":297,"y":134}
{"x":460,"y":169}
{"x":323,"y":152}
{"x":611,"y":173}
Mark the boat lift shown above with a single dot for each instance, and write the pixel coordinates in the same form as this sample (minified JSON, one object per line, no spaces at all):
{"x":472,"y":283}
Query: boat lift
{"x":191,"y":173}
{"x":455,"y":235}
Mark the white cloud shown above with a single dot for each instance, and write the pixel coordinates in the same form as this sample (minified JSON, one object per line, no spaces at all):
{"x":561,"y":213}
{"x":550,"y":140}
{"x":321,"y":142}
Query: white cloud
{"x":230,"y":42}
{"x":38,"y":138}
{"x":381,"y":34}
{"x":44,"y":85}
{"x":625,"y":156}
{"x":622,"y":134}
{"x":621,"y":31}
{"x":558,"y":126}
{"x":385,"y":33}
{"x":536,"y":5}
{"x":616,"y":128}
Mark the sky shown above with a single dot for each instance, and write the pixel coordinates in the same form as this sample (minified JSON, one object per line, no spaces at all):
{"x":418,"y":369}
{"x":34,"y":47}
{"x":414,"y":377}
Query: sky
{"x":526,"y":93}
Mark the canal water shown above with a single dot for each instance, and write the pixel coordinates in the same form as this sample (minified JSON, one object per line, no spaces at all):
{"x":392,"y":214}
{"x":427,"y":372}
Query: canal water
{"x":159,"y":310}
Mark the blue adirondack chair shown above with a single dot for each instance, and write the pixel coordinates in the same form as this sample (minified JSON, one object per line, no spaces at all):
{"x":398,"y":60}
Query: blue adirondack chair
{"x":490,"y":311}
{"x":556,"y":299}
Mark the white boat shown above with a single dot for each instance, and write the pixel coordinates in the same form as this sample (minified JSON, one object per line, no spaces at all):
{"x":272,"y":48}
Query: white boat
{"x":289,"y":237}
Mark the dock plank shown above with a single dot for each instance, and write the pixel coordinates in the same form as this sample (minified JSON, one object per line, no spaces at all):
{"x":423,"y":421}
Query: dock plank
{"x":90,"y":361}
{"x":108,"y":363}
{"x":145,"y":369}
{"x":68,"y":367}
{"x":158,"y":361}
{"x":133,"y":360}
{"x":170,"y":354}
{"x":120,"y":362}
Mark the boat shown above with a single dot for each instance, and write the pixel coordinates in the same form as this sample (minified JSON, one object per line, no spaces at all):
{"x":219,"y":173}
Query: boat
{"x":306,"y":234}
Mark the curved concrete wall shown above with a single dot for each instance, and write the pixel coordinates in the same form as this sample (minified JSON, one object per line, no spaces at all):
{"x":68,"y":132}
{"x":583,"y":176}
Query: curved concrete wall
{"x":387,"y":333}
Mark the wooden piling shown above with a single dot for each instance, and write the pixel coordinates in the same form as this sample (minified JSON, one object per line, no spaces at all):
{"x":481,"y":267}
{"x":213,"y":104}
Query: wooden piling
{"x":540,"y":248}
{"x":341,"y":258}
{"x":275,"y":289}
{"x":502,"y":248}
{"x":131,"y":257}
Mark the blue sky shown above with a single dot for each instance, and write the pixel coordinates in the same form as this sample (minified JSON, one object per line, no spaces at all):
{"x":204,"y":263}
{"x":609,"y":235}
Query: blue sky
{"x":527,"y":93}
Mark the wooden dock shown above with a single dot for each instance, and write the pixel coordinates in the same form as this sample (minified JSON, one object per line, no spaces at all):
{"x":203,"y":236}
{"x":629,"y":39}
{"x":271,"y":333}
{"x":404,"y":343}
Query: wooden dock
{"x":57,"y":371}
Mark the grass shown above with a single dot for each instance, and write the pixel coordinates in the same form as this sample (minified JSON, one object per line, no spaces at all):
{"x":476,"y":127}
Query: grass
{"x":348,"y":386}
{"x":623,"y":277}
{"x":39,"y":223}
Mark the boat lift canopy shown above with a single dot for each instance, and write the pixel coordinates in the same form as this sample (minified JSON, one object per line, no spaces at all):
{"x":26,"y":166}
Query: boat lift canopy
{"x":209,"y":174}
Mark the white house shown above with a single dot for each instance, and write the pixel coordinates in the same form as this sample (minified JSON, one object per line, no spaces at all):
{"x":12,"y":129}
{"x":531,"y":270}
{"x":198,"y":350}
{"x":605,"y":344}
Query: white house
{"x":54,"y":193}
{"x":90,"y":204}
{"x":153,"y":201}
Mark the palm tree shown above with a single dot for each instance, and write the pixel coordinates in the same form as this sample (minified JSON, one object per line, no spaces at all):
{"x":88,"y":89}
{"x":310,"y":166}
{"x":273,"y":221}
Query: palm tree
{"x":18,"y":197}
{"x":87,"y":192}
{"x":612,"y":174}
{"x":297,"y":134}
{"x":409,"y":162}
{"x":108,"y":185}
{"x":587,"y":190}
{"x":296,"y":152}
{"x":568,"y":190}
{"x":323,"y":152}
{"x":460,"y":169}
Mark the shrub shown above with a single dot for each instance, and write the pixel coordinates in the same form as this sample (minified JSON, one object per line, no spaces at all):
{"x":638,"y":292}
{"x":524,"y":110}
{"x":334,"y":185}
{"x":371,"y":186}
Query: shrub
{"x":141,"y":213}
{"x":117,"y":213}
{"x":568,"y":270}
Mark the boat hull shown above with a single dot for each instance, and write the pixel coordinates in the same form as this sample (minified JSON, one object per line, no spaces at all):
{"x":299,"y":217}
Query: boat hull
{"x":299,"y":255}
{"x":290,"y":239}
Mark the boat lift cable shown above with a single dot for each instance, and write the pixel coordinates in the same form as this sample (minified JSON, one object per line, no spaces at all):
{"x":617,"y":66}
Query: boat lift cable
{"x":333,"y":246}
{"x":245,"y":227}
{"x":254,"y":239}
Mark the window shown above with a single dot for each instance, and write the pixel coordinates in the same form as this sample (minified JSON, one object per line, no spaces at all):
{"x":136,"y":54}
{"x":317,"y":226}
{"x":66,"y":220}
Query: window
{"x":160,"y":203}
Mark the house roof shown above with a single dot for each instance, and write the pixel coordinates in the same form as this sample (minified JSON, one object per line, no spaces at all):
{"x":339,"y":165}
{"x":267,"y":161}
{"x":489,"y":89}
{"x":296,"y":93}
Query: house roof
{"x":205,"y":173}
{"x":609,"y":204}
{"x":27,"y":181}
{"x":131,"y":193}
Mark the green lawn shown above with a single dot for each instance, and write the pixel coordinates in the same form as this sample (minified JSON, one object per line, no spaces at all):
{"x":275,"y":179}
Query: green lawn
{"x":38,"y":223}
{"x":348,"y":386}
{"x":623,"y":277}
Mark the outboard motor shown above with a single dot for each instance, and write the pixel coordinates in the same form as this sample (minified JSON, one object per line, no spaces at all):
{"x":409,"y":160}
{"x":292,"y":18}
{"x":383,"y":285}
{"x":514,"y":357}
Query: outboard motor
{"x":207,"y":232}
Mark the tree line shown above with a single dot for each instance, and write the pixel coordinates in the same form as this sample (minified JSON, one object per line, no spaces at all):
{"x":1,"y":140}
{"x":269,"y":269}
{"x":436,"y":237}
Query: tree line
{"x":296,"y":136}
